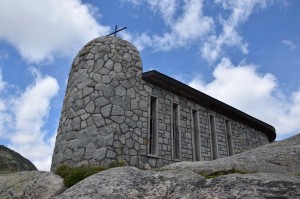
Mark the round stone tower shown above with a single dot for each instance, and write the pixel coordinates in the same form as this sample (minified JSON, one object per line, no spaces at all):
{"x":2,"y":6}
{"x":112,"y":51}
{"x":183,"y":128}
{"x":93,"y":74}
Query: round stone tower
{"x":102,"y":100}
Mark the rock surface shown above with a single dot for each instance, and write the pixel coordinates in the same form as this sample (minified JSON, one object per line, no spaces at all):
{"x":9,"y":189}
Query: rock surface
{"x":30,"y":184}
{"x":11,"y":161}
{"x":277,"y":176}
{"x":130,"y":182}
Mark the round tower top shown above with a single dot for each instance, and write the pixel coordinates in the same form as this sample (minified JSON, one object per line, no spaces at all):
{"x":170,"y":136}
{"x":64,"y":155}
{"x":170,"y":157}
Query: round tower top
{"x":110,"y":50}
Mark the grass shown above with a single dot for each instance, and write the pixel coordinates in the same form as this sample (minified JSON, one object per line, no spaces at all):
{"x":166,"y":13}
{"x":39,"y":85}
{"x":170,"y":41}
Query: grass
{"x":73,"y":175}
{"x":222,"y":172}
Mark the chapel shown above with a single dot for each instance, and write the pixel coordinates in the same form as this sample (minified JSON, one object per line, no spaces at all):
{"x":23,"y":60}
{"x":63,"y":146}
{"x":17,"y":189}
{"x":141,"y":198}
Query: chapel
{"x":113,"y":111}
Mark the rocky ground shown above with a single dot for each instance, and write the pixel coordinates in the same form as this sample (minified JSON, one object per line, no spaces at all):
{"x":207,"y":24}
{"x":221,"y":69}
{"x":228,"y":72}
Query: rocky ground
{"x":270,"y":171}
{"x":30,"y":184}
{"x":130,"y":182}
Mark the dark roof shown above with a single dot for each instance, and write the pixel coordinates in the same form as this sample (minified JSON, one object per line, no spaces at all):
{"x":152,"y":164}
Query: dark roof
{"x":192,"y":94}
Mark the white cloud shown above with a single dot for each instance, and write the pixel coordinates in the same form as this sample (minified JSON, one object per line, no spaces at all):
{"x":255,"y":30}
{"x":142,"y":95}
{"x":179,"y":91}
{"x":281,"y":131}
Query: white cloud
{"x":188,"y":25}
{"x":240,"y":12}
{"x":41,"y":29}
{"x":25,"y":115}
{"x":289,"y":44}
{"x":140,"y":41}
{"x":2,"y":82}
{"x":166,"y":9}
{"x":5,"y":118}
{"x":135,"y":2}
{"x":257,"y":94}
{"x":184,"y":28}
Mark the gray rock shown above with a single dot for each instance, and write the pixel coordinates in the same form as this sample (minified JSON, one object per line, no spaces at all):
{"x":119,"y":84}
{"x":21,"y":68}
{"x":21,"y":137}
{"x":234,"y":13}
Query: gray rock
{"x":99,"y":65}
{"x":83,"y":138}
{"x":117,"y":110}
{"x":78,"y":104}
{"x":97,"y":77}
{"x":109,"y":64}
{"x":106,"y":110}
{"x":89,"y":150}
{"x":30,"y":184}
{"x":120,"y":91}
{"x":87,"y":91}
{"x":89,"y":64}
{"x":117,"y":58}
{"x":116,"y":100}
{"x":98,"y":120}
{"x":90,"y":107}
{"x":143,"y":104}
{"x":76,"y":123}
{"x":106,"y":79}
{"x":130,"y":182}
{"x":104,"y":48}
{"x":11,"y":161}
{"x":99,"y":154}
{"x":127,"y":57}
{"x":131,"y":93}
{"x":117,"y":67}
{"x":111,"y":154}
{"x":118,"y":119}
{"x":101,"y":101}
{"x":104,"y":71}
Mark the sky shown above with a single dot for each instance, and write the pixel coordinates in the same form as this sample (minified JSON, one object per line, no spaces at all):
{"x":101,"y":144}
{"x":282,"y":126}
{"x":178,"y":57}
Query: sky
{"x":245,"y":53}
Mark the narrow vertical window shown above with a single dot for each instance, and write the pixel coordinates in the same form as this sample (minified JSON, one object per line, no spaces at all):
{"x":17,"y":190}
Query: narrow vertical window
{"x":176,"y":132}
{"x":153,"y":126}
{"x":213,"y":137}
{"x":196,"y":135}
{"x":229,"y":137}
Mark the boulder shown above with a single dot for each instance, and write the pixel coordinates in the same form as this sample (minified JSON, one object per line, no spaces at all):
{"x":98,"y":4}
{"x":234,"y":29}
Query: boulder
{"x":30,"y":184}
{"x":130,"y":182}
{"x":11,"y":161}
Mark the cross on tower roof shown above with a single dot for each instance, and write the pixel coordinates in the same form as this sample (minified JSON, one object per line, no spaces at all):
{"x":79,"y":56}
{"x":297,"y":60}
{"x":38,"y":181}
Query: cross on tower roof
{"x":116,"y":30}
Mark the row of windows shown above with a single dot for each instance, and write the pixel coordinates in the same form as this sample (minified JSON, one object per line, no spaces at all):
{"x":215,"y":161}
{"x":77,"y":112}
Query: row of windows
{"x":175,"y":132}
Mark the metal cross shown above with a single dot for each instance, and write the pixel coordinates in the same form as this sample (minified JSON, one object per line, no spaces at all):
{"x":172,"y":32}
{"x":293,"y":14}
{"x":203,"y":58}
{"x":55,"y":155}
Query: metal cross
{"x":116,"y":30}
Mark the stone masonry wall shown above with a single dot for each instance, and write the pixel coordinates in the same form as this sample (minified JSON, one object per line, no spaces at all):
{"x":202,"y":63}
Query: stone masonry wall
{"x":105,"y":114}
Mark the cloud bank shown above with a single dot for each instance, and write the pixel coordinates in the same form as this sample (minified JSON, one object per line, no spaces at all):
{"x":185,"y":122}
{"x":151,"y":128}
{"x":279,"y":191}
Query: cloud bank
{"x":40,"y":30}
{"x":188,"y":25}
{"x":289,"y":44}
{"x":191,"y":25}
{"x":244,"y":88}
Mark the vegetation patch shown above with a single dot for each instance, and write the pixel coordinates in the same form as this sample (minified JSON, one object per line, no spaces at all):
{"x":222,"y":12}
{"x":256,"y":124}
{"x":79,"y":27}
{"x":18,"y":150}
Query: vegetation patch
{"x":222,"y":172}
{"x":73,"y":175}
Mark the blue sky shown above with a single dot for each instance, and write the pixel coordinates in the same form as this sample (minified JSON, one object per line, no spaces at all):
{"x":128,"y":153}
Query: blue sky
{"x":244,"y":53}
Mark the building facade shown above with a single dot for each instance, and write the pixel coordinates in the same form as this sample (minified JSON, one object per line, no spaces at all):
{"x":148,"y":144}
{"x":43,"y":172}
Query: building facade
{"x":114,"y":111}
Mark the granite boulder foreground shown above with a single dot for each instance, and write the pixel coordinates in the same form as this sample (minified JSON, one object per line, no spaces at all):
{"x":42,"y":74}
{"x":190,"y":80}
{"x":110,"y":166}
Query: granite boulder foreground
{"x":30,"y":184}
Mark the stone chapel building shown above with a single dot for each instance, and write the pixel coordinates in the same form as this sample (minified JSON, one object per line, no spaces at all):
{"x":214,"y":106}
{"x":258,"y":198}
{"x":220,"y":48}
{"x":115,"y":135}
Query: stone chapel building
{"x":114,"y":111}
